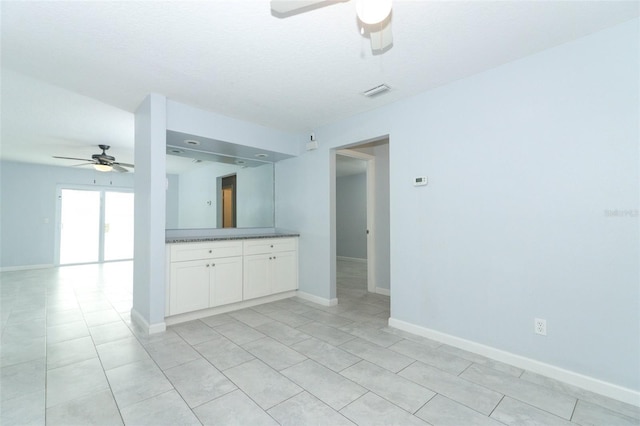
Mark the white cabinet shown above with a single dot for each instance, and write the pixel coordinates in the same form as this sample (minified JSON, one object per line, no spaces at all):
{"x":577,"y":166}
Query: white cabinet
{"x":204,"y":275}
{"x":189,"y":286}
{"x":270,"y":267}
{"x":225,"y":281}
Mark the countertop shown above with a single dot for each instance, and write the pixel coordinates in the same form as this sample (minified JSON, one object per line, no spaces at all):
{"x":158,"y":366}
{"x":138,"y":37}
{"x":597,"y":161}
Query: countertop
{"x":177,"y":240}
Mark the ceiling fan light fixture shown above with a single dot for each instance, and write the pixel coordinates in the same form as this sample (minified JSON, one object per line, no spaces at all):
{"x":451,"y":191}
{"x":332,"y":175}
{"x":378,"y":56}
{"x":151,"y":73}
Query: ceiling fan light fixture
{"x":373,"y":11}
{"x":103,"y":167}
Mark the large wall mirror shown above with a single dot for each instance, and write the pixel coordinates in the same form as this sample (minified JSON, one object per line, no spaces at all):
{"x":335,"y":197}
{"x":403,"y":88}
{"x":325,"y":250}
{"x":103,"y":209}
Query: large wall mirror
{"x":216,"y":184}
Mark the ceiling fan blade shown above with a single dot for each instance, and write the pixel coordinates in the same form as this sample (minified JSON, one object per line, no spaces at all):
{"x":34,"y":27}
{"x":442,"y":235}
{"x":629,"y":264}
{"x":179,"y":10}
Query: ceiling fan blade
{"x":73,"y":158}
{"x":125,"y":164}
{"x":118,"y":168}
{"x":285,"y":8}
{"x":381,"y":40}
{"x":83,"y":164}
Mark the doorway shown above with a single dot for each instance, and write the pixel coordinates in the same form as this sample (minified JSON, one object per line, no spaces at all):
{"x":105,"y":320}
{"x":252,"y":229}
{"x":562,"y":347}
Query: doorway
{"x":94,"y":225}
{"x":355,"y":195}
{"x":229,"y":201}
{"x":375,"y":153}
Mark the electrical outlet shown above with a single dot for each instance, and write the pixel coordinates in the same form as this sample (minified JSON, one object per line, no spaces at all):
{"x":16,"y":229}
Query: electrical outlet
{"x":540,"y":326}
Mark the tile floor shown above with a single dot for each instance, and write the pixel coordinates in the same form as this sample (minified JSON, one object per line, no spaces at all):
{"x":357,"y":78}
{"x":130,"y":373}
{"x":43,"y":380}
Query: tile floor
{"x":70,"y":356}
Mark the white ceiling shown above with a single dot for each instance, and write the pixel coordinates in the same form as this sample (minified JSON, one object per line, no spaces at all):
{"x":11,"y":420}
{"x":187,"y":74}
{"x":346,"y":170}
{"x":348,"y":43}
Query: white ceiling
{"x":73,"y":72}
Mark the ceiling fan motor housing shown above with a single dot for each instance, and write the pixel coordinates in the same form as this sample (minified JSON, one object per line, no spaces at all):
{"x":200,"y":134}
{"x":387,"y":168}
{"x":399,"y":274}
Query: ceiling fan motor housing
{"x":104,"y":158}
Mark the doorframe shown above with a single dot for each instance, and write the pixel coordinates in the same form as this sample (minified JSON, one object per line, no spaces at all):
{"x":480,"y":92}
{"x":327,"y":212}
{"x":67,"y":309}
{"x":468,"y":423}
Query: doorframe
{"x":58,"y":231}
{"x":371,"y":203}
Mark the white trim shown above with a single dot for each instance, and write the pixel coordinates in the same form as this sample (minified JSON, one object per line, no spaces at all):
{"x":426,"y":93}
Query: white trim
{"x":592,"y":384}
{"x":352,"y":259}
{"x":316,"y":299}
{"x":138,"y":320}
{"x":383,"y":291}
{"x":26,"y":267}
{"x":203,"y":313}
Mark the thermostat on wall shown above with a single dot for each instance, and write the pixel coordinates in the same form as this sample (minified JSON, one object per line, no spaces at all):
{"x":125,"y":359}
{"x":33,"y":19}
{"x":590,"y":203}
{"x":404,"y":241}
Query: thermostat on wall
{"x":420,"y":181}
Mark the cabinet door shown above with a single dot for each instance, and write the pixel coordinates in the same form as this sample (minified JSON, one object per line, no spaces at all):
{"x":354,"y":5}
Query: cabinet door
{"x":189,"y":286}
{"x":257,"y":272}
{"x":226,"y":281}
{"x":285,"y":271}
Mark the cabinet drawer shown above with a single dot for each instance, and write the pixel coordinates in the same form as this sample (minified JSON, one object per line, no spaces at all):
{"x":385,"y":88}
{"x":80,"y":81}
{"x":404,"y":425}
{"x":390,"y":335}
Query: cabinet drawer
{"x":269,"y":245}
{"x":205,"y":250}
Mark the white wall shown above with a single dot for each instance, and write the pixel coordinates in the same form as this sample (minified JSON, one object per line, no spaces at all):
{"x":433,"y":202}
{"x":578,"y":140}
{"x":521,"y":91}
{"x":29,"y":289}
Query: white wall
{"x":525,"y":163}
{"x":351,"y":216}
{"x":28,"y":208}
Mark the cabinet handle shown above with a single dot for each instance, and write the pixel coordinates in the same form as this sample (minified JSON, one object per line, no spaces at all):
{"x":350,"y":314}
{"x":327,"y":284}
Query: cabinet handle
{"x":207,"y":265}
{"x":213,"y":264}
{"x":209,"y":251}
{"x":271,"y":245}
{"x":274,"y":258}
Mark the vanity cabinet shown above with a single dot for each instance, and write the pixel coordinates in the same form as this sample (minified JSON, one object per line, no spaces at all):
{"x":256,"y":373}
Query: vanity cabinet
{"x":270,"y":266}
{"x":204,"y":275}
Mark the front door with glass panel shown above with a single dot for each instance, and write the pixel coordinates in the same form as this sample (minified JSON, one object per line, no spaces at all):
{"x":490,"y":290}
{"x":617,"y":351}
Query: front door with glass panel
{"x":95,"y":226}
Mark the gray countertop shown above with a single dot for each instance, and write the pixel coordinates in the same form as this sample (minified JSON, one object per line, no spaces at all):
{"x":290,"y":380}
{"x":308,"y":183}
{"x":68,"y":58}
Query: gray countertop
{"x":174,"y":240}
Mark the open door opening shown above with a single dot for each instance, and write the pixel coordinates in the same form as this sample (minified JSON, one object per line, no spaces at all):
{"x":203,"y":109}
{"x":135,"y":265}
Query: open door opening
{"x":229,"y":201}
{"x":94,"y":225}
{"x":362,"y":217}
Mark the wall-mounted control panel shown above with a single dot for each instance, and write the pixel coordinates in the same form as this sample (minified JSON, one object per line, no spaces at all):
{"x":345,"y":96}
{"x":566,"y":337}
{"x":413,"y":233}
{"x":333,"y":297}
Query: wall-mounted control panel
{"x":420,"y":181}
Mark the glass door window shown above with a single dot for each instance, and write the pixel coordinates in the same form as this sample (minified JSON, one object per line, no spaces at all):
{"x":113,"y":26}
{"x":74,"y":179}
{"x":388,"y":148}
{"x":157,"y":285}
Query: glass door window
{"x":118,"y":225}
{"x":95,"y":226}
{"x":79,"y":226}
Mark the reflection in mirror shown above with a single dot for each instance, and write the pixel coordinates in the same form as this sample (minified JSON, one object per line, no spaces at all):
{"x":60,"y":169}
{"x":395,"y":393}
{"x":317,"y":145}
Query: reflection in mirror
{"x":195,"y":187}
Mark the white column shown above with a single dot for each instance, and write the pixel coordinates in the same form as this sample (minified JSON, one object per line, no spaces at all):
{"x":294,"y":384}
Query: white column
{"x":149,"y":184}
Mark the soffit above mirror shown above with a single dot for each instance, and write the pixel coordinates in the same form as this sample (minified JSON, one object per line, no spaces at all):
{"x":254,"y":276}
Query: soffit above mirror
{"x":193,"y":149}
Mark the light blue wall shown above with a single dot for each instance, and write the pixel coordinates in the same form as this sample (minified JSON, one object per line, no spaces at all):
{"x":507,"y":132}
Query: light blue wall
{"x":351,"y":216}
{"x":187,"y":119}
{"x":525,"y":164}
{"x":382,"y":220}
{"x":28,"y":208}
{"x":255,"y":197}
{"x":150,"y":219}
{"x":173,"y":202}
{"x":195,"y":197}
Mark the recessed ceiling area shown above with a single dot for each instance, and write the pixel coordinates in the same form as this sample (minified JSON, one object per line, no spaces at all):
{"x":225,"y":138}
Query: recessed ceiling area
{"x":73,"y":73}
{"x":183,"y":148}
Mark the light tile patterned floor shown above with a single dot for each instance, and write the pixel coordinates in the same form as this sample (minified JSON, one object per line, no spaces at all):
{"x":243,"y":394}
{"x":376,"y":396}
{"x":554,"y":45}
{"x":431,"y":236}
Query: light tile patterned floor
{"x":69,"y":355}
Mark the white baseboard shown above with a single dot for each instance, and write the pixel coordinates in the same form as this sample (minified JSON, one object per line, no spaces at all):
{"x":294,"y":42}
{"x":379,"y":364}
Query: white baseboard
{"x":138,"y":320}
{"x":316,"y":299}
{"x":592,"y":384}
{"x":25,"y":267}
{"x":203,"y":313}
{"x":352,"y":259}
{"x":383,"y":291}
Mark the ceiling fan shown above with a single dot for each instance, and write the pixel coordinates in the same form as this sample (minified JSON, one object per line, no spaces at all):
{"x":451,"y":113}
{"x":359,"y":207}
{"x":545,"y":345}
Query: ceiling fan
{"x":374,"y":17}
{"x":102,"y":162}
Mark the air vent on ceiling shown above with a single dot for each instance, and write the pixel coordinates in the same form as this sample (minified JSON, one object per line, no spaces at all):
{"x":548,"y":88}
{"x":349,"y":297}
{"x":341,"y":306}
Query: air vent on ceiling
{"x":375,"y":91}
